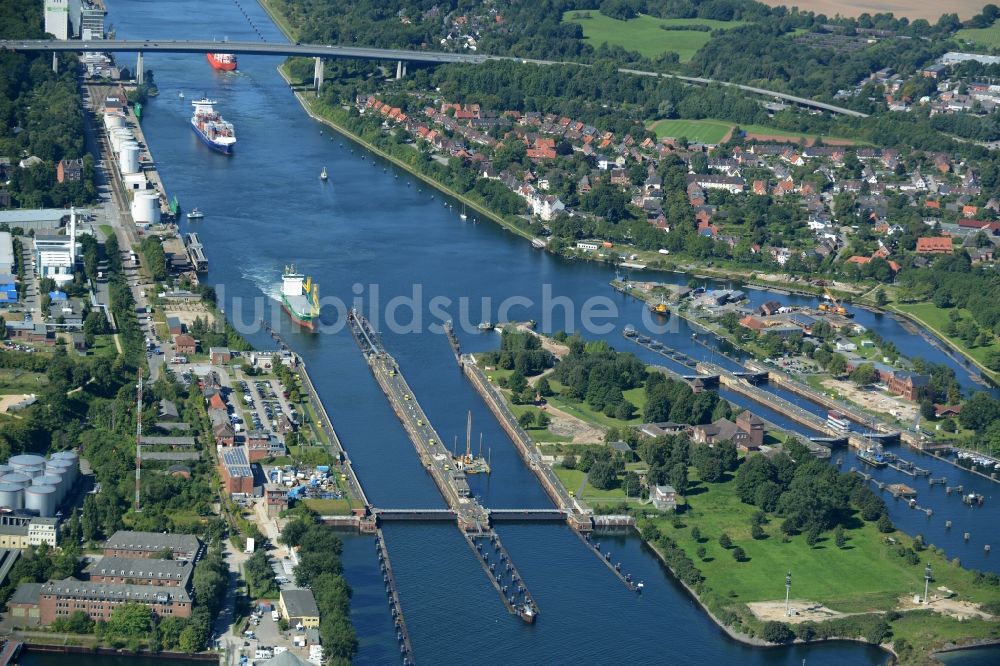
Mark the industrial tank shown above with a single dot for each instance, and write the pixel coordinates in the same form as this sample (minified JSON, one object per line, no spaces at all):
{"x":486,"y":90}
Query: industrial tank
{"x":41,"y":499}
{"x":120,"y":136}
{"x":66,"y":455}
{"x":16,"y":478}
{"x":31,"y":470}
{"x":51,"y":480}
{"x":63,"y":469}
{"x":29,"y":459}
{"x":11,"y":496}
{"x":146,"y":208}
{"x":113,"y":120}
{"x":5,"y":469}
{"x":128,"y":157}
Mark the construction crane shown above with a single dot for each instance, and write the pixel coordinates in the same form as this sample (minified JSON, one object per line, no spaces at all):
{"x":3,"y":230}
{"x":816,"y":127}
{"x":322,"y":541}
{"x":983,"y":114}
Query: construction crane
{"x":138,"y":442}
{"x":834,"y":305}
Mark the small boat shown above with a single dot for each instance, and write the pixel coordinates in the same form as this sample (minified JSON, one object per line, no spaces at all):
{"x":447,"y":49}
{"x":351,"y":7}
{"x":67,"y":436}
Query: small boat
{"x":181,"y":94}
{"x":486,"y":326}
{"x":323,"y":175}
{"x":463,"y":216}
{"x":873,"y":456}
{"x":195,"y":214}
{"x":630,"y":331}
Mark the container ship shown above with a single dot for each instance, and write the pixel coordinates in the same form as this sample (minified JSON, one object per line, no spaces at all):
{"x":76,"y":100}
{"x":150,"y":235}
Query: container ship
{"x":873,"y":456}
{"x":224,"y":62}
{"x":300,"y":298}
{"x":215,"y":132}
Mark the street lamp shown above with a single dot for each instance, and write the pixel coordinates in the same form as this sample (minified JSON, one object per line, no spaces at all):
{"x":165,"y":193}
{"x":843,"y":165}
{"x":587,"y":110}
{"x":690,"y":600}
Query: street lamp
{"x":788,"y":590}
{"x":927,"y":580}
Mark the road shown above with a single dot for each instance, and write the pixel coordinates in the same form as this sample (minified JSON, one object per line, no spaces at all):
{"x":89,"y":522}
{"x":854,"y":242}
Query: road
{"x":363,"y":53}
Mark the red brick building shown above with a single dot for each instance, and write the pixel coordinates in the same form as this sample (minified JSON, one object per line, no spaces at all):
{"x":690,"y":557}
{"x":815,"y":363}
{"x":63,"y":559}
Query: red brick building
{"x":237,"y":474}
{"x":60,"y":599}
{"x":753,"y":426}
{"x":934,"y":245}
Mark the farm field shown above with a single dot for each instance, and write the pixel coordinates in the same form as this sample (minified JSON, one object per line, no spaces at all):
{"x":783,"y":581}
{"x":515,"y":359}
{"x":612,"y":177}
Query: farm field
{"x":643,"y":34}
{"x":911,"y":9}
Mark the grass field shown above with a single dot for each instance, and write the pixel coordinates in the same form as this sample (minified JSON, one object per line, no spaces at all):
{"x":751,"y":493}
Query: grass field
{"x":643,"y":34}
{"x":572,"y":478}
{"x":329,"y":507}
{"x":696,"y":131}
{"x":714,"y":131}
{"x":984,"y":36}
{"x":865,"y":575}
{"x":13,"y":380}
{"x":936,"y":319}
{"x":107,"y":230}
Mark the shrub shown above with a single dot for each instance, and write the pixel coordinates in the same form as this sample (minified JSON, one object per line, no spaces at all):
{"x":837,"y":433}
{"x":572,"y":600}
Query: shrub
{"x":725,"y":541}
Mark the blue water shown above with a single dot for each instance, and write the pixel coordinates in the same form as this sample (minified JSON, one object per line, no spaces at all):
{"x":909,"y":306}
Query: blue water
{"x":373,"y":225}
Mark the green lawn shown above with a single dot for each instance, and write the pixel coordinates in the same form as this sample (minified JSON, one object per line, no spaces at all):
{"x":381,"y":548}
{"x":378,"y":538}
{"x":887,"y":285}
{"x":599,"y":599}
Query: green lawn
{"x":329,"y":507}
{"x":104,"y":345}
{"x":984,"y":36}
{"x":572,"y":478}
{"x":936,"y":319}
{"x":107,"y":230}
{"x":643,"y":34}
{"x":13,"y":380}
{"x":866,"y":575}
{"x":696,"y":131}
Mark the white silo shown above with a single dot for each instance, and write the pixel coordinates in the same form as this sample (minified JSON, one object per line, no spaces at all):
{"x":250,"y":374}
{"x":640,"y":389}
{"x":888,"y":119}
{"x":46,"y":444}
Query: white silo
{"x":16,"y":478}
{"x":128,"y":157}
{"x":51,"y":480}
{"x":119,"y":136}
{"x":66,"y":455}
{"x":146,"y":208}
{"x":113,"y":120}
{"x":5,"y":469}
{"x":11,"y":496}
{"x":41,"y":499}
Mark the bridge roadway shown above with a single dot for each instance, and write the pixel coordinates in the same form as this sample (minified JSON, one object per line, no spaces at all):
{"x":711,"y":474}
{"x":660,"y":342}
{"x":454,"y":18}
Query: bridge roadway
{"x":365,"y":53}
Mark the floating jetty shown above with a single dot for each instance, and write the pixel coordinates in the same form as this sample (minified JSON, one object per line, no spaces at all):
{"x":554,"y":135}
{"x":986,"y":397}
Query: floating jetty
{"x":402,"y":633}
{"x":614,"y":566}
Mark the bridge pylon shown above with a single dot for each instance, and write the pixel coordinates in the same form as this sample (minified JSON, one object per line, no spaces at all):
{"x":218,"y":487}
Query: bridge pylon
{"x":318,"y":74}
{"x":140,"y":70}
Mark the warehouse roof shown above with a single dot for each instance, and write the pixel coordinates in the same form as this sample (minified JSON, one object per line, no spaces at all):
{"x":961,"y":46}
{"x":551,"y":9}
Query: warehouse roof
{"x":300,"y":603}
{"x":152,"y":541}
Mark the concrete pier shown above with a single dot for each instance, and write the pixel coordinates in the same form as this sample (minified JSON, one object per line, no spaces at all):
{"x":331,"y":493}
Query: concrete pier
{"x":499,"y":567}
{"x":402,"y":633}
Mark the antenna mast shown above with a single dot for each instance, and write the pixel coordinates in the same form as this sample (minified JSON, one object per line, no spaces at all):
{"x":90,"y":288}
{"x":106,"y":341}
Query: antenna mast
{"x":138,"y":442}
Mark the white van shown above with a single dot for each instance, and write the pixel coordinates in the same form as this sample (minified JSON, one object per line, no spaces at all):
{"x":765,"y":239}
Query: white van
{"x":275,"y":615}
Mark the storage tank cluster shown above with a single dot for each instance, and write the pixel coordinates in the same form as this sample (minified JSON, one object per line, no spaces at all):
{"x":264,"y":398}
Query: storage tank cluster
{"x":128,"y":157}
{"x":113,"y":121}
{"x":33,"y":483}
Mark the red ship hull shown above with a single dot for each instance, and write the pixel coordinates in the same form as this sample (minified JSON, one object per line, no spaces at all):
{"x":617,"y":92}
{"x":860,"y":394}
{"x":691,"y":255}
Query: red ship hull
{"x":219,"y":64}
{"x":309,"y":325}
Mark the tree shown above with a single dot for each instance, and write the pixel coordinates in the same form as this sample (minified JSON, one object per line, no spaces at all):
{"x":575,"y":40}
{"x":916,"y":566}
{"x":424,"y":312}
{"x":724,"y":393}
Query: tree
{"x":927,"y":411}
{"x":725,"y":541}
{"x":739,"y":554}
{"x":776,"y":632}
{"x":839,"y":537}
{"x":569,"y":461}
{"x":701,"y":552}
{"x":696,"y":534}
{"x":880,"y":298}
{"x":864,"y":374}
{"x":130,"y":620}
{"x":542,"y":420}
{"x":884,"y":524}
{"x":526,"y":420}
{"x":602,"y":475}
{"x":543,"y":387}
{"x":757,"y":532}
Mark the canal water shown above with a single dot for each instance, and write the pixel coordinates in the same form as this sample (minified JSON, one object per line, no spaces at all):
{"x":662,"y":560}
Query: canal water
{"x":373,"y":229}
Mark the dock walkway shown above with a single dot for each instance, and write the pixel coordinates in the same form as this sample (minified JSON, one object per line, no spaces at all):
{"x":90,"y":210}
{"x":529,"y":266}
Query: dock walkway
{"x":503,"y":574}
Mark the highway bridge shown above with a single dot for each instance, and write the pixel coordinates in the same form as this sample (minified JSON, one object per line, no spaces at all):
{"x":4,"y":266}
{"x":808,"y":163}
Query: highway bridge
{"x":365,"y":53}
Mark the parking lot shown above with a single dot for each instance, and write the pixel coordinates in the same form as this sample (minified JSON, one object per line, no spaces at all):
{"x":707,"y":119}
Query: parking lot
{"x":265,"y":401}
